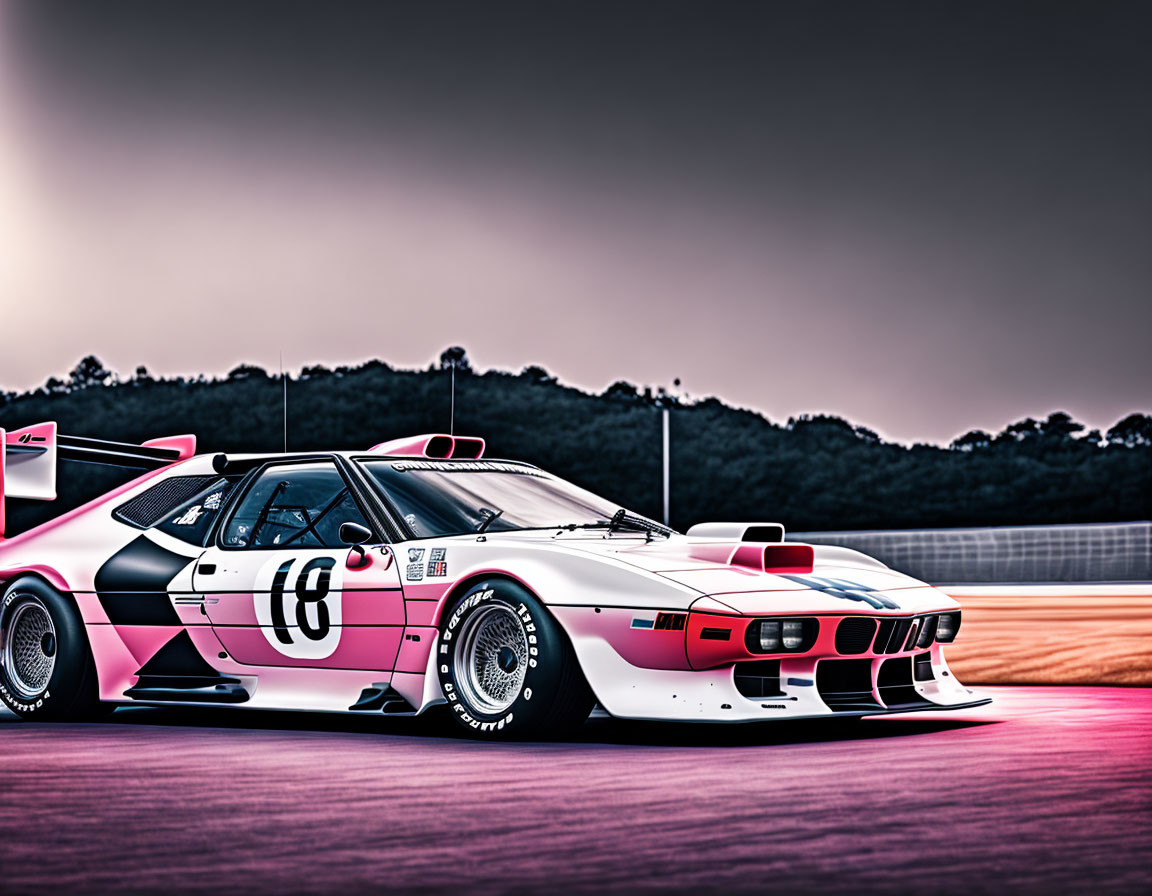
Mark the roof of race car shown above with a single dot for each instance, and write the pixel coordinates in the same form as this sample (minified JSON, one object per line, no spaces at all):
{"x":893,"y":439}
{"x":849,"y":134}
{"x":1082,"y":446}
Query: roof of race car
{"x":28,"y":456}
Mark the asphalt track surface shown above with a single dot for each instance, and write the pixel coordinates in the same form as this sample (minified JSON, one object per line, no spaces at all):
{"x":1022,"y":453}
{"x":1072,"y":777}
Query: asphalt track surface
{"x":1047,"y":790}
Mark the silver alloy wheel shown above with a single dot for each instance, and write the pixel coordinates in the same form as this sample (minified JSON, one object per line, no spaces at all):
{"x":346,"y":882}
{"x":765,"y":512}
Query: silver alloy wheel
{"x":29,"y":639}
{"x":491,"y":658}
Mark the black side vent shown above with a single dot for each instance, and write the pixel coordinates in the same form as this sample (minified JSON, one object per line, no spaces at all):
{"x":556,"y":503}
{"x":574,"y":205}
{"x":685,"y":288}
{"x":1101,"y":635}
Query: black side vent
{"x":758,"y":678}
{"x":671,"y":621}
{"x":846,"y":685}
{"x":923,"y":670}
{"x":151,"y":505}
{"x":895,"y":685}
{"x":854,"y":635}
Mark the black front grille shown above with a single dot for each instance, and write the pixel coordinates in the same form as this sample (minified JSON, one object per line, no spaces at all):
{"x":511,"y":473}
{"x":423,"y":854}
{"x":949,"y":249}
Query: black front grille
{"x":758,"y":678}
{"x":854,"y":635}
{"x":896,"y":638}
{"x":923,"y":667}
{"x":888,"y":634}
{"x":846,"y":685}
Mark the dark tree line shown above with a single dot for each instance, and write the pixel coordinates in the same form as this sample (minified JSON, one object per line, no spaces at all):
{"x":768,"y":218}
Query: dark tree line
{"x":814,"y":472}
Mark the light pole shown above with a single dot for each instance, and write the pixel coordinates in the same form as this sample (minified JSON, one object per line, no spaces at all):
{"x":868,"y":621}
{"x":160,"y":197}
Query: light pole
{"x":666,"y":406}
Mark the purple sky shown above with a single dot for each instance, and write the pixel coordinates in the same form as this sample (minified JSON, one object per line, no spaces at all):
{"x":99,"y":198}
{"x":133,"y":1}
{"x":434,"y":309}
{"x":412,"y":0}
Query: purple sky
{"x":923,"y":218}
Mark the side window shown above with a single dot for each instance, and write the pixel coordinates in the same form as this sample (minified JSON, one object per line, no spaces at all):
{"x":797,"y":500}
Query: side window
{"x":192,"y":520}
{"x":294,"y":506}
{"x":153,"y":504}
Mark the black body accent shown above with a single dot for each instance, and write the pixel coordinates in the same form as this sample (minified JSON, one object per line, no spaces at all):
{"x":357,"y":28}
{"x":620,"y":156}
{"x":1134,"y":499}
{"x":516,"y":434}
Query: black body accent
{"x":189,"y":690}
{"x":715,"y":634}
{"x":177,"y":672}
{"x":381,"y":698}
{"x":132,"y":585}
{"x":179,"y":657}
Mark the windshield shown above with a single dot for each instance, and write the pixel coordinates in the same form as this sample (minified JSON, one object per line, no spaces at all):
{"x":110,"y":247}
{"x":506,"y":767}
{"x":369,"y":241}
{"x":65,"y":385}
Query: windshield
{"x":454,"y":498}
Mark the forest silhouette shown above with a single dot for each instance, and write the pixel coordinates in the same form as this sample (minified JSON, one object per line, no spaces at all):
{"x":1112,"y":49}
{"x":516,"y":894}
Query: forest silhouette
{"x":815,"y":472}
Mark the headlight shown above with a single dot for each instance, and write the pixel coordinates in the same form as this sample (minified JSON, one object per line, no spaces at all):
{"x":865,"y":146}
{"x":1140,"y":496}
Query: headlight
{"x":793,"y":634}
{"x":947,"y":625}
{"x":789,"y":635}
{"x":769,"y":635}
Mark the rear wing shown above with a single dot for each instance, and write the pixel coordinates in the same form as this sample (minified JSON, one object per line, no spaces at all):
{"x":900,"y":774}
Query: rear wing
{"x":28,"y":458}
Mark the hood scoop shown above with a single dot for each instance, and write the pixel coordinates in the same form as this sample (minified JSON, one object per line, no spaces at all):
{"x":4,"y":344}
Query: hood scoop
{"x":780,"y":559}
{"x":761,"y":533}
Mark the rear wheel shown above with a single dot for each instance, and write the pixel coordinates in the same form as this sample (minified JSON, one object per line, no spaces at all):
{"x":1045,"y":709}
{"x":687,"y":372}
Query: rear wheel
{"x":506,"y":666}
{"x":46,"y":668}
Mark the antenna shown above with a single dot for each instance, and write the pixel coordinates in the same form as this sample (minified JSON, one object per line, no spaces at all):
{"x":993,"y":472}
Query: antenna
{"x":452,"y":410}
{"x":669,"y":397}
{"x":284,"y":383}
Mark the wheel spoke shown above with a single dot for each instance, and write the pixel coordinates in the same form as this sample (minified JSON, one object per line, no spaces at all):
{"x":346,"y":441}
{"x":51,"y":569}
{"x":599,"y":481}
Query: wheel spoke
{"x":492,"y":658}
{"x":29,"y":654}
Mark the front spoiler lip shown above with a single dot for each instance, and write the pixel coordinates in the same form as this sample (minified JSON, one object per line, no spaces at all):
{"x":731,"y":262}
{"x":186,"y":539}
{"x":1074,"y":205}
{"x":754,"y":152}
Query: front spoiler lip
{"x":983,"y":701}
{"x":827,"y":716}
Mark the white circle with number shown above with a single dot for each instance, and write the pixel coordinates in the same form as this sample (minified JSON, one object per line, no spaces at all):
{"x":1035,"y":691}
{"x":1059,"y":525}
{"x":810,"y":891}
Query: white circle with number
{"x":297,"y":602}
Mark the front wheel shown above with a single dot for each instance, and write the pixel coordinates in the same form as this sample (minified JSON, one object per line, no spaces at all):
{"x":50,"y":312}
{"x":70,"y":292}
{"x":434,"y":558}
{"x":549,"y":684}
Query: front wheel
{"x":506,"y":667}
{"x":46,"y":668}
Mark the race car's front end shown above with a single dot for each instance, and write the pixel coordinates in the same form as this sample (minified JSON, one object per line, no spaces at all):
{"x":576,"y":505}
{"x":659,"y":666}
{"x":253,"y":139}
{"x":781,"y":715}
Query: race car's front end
{"x":838,"y":636}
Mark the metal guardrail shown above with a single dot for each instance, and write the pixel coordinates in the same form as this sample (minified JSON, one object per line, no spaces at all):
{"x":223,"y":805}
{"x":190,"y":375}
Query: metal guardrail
{"x":1098,"y":552}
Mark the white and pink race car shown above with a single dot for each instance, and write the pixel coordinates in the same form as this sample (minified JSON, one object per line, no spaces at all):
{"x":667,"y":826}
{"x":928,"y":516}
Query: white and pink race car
{"x":417,"y":573}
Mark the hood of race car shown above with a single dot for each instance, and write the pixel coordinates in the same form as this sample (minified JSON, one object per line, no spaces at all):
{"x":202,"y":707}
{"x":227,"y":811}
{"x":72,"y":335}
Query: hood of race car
{"x":840,"y":579}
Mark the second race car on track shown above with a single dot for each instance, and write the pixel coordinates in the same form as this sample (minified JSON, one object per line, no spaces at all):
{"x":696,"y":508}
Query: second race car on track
{"x":419,"y":573}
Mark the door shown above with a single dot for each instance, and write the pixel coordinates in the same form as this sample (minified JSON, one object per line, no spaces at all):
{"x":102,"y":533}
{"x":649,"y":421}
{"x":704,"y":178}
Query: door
{"x":280,"y":589}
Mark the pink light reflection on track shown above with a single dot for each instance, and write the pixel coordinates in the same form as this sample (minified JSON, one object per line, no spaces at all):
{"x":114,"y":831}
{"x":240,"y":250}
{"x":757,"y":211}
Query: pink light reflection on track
{"x":1045,"y":790}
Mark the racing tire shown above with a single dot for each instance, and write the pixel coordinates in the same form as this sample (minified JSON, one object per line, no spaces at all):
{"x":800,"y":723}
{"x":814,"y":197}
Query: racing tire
{"x":506,"y":667}
{"x":46,"y":667}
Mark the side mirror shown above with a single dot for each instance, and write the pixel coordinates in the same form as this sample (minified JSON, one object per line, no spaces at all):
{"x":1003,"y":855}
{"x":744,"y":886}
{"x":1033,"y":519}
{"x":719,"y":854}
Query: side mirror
{"x":354,"y":533}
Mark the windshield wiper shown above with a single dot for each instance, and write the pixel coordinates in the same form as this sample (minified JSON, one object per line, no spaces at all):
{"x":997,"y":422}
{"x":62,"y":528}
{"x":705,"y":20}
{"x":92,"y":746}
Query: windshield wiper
{"x":490,"y":516}
{"x":622,"y":519}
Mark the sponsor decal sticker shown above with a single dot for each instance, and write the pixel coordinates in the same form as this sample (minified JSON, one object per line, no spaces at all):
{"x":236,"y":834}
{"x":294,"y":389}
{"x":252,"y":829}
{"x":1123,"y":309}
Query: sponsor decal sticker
{"x":415,"y":572}
{"x":415,"y":555}
{"x":643,"y":623}
{"x":189,"y":516}
{"x":437,"y":564}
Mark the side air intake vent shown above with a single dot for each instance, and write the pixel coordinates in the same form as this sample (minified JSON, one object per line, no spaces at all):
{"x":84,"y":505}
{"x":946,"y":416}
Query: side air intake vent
{"x":846,"y":685}
{"x":758,"y":679}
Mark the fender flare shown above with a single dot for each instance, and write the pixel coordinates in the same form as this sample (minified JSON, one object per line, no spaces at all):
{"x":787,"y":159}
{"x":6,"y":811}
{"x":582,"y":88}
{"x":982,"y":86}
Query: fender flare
{"x":473,"y":578}
{"x":45,"y":573}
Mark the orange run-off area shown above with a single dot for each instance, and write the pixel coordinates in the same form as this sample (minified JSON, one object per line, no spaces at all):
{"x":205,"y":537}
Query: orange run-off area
{"x":1053,"y":634}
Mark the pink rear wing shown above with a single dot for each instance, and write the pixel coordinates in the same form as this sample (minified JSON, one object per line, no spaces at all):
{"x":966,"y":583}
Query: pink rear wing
{"x":28,"y":458}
